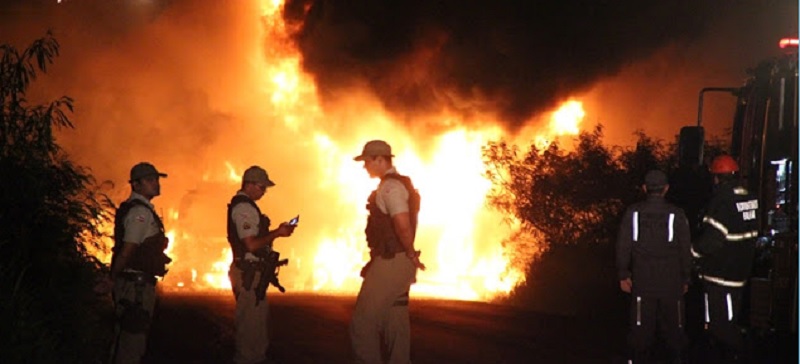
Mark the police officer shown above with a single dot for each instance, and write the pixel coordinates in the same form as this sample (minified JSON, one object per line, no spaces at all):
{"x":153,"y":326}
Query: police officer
{"x":382,"y":304}
{"x":138,"y":258}
{"x":251,"y":241}
{"x":654,"y":265}
{"x":726,"y":249}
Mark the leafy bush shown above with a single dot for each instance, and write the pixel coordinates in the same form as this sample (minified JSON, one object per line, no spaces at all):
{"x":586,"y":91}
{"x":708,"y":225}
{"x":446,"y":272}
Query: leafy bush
{"x":571,"y":202}
{"x":48,"y":207}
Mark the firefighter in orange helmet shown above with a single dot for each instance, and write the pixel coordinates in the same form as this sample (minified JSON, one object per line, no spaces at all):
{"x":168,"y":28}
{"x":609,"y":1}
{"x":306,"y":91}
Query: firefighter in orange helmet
{"x":726,"y":249}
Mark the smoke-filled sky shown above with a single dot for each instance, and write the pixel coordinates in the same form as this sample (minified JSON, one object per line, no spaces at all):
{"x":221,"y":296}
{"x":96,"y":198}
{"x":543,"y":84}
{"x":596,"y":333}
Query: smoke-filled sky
{"x":520,"y":58}
{"x":638,"y":62}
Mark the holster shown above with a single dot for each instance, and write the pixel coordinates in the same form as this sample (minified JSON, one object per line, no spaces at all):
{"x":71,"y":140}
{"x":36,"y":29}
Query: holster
{"x":134,"y":318}
{"x":248,"y":269}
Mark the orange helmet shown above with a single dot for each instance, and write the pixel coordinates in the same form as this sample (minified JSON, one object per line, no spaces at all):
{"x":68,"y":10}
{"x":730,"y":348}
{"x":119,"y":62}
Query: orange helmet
{"x":724,"y":164}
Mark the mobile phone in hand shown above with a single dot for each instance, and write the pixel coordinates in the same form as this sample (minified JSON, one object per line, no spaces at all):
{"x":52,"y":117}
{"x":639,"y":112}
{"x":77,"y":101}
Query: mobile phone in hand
{"x":294,"y":221}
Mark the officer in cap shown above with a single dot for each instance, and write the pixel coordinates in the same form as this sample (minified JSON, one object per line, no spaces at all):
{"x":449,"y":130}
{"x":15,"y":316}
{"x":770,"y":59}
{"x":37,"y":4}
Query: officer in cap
{"x":382,"y":304}
{"x":654,"y":265}
{"x":251,"y":241}
{"x":138,"y":258}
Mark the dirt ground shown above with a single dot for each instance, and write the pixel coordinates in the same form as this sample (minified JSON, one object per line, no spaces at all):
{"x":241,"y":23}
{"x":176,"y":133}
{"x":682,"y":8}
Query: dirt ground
{"x":306,"y":328}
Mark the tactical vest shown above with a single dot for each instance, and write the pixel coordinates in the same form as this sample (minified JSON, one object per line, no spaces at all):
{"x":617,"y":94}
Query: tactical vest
{"x":149,"y":257}
{"x":381,"y":236}
{"x":238,"y":248}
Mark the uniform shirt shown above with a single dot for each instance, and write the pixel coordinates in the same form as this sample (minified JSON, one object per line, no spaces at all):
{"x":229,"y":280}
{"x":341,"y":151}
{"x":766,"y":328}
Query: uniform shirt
{"x":140,"y":223}
{"x":392,"y":196}
{"x":246,"y":219}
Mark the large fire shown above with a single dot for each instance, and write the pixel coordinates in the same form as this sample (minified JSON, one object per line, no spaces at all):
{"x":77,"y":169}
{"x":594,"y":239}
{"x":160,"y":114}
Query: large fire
{"x":459,"y":235}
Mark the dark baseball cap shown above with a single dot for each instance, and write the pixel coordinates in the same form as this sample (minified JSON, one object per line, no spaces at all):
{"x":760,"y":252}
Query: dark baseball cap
{"x":375,"y":148}
{"x":655,"y":179}
{"x":256,"y":174}
{"x":143,"y":170}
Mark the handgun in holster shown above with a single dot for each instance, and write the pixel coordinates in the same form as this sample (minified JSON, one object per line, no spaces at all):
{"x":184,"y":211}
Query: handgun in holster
{"x":134,"y":318}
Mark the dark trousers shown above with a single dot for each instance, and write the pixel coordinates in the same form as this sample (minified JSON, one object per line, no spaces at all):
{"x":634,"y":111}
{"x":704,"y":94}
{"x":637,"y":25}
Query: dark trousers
{"x":722,"y":308}
{"x":649,"y":314}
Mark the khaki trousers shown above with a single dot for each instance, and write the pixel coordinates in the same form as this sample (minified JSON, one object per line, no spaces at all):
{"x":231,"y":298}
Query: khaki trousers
{"x":252,"y":336}
{"x":130,"y":347}
{"x":375,"y":315}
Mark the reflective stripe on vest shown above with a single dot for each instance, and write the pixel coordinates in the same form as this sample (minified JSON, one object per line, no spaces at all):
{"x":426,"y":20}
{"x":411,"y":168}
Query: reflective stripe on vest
{"x":671,"y":227}
{"x":722,"y":282}
{"x":724,"y":230}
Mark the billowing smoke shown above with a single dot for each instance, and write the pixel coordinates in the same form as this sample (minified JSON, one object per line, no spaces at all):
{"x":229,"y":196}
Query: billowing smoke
{"x":516,"y":58}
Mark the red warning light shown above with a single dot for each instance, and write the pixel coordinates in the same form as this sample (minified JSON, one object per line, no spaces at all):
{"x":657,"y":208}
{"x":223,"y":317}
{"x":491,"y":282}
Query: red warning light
{"x":788,"y":43}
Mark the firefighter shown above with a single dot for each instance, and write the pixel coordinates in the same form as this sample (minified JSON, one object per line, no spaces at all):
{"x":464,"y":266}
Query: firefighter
{"x":726,"y":249}
{"x":654,"y":265}
{"x":138,"y":258}
{"x":251,"y":241}
{"x":382,"y":304}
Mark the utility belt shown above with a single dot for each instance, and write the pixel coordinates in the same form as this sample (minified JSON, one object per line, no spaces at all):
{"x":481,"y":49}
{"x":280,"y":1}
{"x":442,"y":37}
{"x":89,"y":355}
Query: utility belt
{"x":375,"y":254}
{"x":248,"y":264}
{"x":138,"y":277}
{"x":387,"y":251}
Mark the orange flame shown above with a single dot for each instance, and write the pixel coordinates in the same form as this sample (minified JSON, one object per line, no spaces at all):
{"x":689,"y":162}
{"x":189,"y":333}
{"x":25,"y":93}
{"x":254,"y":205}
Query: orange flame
{"x":459,"y":235}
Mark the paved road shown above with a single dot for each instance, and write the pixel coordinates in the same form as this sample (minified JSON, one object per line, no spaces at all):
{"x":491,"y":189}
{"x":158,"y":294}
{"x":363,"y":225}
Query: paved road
{"x":198,"y":328}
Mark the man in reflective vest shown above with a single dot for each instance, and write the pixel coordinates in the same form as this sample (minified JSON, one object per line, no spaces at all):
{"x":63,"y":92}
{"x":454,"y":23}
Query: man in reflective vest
{"x":654,"y":265}
{"x":382,"y":305}
{"x":251,"y":241}
{"x":726,"y":249}
{"x":138,"y":258}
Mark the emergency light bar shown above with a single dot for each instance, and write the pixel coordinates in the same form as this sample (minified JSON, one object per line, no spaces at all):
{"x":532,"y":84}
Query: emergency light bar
{"x":788,"y":43}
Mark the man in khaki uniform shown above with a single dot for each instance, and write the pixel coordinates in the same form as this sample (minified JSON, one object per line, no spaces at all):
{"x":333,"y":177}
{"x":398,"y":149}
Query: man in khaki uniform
{"x":382,"y":304}
{"x":251,"y":241}
{"x":138,"y":257}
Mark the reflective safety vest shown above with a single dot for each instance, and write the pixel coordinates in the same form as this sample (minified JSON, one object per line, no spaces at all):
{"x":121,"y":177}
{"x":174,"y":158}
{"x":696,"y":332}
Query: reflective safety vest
{"x":653,"y":248}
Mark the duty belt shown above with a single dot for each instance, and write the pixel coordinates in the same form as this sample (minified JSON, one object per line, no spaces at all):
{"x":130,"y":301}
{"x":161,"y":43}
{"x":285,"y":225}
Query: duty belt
{"x":138,"y":277}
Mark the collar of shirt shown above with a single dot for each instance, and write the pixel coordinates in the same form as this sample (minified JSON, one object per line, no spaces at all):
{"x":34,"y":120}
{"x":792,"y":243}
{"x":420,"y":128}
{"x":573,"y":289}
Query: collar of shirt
{"x":137,"y":196}
{"x":390,"y":170}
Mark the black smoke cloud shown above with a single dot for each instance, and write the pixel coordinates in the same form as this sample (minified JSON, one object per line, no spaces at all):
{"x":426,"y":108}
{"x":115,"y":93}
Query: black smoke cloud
{"x":514,"y":58}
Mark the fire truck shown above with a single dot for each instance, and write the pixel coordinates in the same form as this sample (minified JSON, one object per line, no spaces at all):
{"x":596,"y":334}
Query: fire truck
{"x":764,"y":138}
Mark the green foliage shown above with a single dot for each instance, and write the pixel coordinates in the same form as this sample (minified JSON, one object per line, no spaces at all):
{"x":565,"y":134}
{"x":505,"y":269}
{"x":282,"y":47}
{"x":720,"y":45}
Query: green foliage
{"x":48,"y":207}
{"x":570,"y":197}
{"x":571,"y":202}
